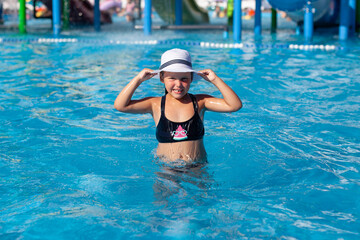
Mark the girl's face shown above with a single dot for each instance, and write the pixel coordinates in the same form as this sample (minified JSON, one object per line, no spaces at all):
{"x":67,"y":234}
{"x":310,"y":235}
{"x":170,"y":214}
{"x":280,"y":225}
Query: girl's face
{"x":176,"y":83}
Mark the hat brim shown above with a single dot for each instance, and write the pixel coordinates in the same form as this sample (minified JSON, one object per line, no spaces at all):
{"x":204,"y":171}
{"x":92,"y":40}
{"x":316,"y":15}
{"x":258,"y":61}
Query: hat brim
{"x":196,"y":75}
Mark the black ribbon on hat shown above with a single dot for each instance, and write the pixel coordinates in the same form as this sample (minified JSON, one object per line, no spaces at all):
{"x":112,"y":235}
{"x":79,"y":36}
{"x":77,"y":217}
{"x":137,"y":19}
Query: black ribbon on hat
{"x":174,"y":62}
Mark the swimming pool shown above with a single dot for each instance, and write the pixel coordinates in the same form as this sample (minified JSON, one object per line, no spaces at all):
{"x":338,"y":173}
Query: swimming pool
{"x":286,"y":166}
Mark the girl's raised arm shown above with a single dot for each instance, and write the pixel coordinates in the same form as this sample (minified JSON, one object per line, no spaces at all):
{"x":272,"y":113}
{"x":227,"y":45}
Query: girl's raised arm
{"x":123,"y":102}
{"x":230,"y":101}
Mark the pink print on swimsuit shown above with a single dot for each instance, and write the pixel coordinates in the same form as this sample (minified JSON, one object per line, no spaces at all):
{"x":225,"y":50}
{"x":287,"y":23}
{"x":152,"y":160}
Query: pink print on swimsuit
{"x":179,"y":134}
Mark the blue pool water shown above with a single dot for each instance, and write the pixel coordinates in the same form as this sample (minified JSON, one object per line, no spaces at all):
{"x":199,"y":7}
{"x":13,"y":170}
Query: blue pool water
{"x":286,"y":166}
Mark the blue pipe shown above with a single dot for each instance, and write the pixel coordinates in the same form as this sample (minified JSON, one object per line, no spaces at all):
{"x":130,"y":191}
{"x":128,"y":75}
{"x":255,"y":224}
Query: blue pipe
{"x":308,"y":22}
{"x":352,"y":16}
{"x":288,"y":5}
{"x":1,"y":12}
{"x":298,"y":30}
{"x":344,"y":20}
{"x":147,"y":17}
{"x":257,"y":29}
{"x":178,"y":12}
{"x":97,"y":15}
{"x":56,"y":13}
{"x":237,"y":20}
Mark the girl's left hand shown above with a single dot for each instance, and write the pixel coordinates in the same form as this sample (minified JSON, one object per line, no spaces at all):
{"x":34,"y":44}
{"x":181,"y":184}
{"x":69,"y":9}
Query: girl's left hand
{"x":208,"y":75}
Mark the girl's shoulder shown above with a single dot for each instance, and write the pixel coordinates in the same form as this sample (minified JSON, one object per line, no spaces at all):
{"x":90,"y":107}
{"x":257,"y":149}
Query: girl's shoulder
{"x":201,"y":99}
{"x":155,"y":101}
{"x":149,"y":102}
{"x":152,"y":99}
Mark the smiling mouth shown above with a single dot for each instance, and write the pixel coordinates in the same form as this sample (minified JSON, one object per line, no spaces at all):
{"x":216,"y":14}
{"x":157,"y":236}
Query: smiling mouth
{"x":177,"y":90}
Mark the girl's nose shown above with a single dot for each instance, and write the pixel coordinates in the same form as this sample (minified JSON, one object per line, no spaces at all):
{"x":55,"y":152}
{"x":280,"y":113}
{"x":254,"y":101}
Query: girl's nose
{"x":177,"y":82}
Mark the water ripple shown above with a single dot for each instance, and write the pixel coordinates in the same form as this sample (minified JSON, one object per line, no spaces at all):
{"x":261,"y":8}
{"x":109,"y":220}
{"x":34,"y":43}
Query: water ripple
{"x":285,"y":166}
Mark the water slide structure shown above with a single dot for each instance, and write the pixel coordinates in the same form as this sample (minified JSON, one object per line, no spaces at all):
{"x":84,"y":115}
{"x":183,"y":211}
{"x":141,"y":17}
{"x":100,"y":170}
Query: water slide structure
{"x":326,"y":12}
{"x":192,"y":13}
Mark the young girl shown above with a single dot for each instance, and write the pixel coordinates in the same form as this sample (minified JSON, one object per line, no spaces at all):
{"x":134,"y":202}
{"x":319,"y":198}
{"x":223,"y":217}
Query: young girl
{"x":178,"y":115}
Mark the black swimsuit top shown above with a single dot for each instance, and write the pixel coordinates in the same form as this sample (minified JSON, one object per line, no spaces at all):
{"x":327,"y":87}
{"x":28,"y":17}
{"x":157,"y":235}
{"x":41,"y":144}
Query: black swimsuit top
{"x":168,"y":131}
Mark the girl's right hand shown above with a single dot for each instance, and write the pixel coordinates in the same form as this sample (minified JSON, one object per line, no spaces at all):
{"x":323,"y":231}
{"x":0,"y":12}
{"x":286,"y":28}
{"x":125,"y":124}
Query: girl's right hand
{"x":145,"y":74}
{"x":208,"y":75}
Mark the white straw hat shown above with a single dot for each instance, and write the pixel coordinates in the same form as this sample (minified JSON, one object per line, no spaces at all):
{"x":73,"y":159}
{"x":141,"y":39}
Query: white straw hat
{"x":176,"y":60}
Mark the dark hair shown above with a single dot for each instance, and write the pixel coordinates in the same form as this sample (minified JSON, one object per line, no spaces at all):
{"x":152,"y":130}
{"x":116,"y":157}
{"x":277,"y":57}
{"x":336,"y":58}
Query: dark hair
{"x":161,"y":77}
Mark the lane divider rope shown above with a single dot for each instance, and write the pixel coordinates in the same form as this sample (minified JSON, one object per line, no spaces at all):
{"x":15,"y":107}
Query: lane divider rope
{"x":305,"y":47}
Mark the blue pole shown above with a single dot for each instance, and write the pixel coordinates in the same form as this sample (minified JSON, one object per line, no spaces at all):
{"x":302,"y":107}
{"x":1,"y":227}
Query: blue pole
{"x":97,"y":15}
{"x":56,"y":14}
{"x":257,"y":29}
{"x":308,"y":22}
{"x":298,"y":29}
{"x":237,"y":20}
{"x":178,"y":12}
{"x":1,"y":11}
{"x":352,"y":16}
{"x":147,"y":17}
{"x":344,"y":20}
